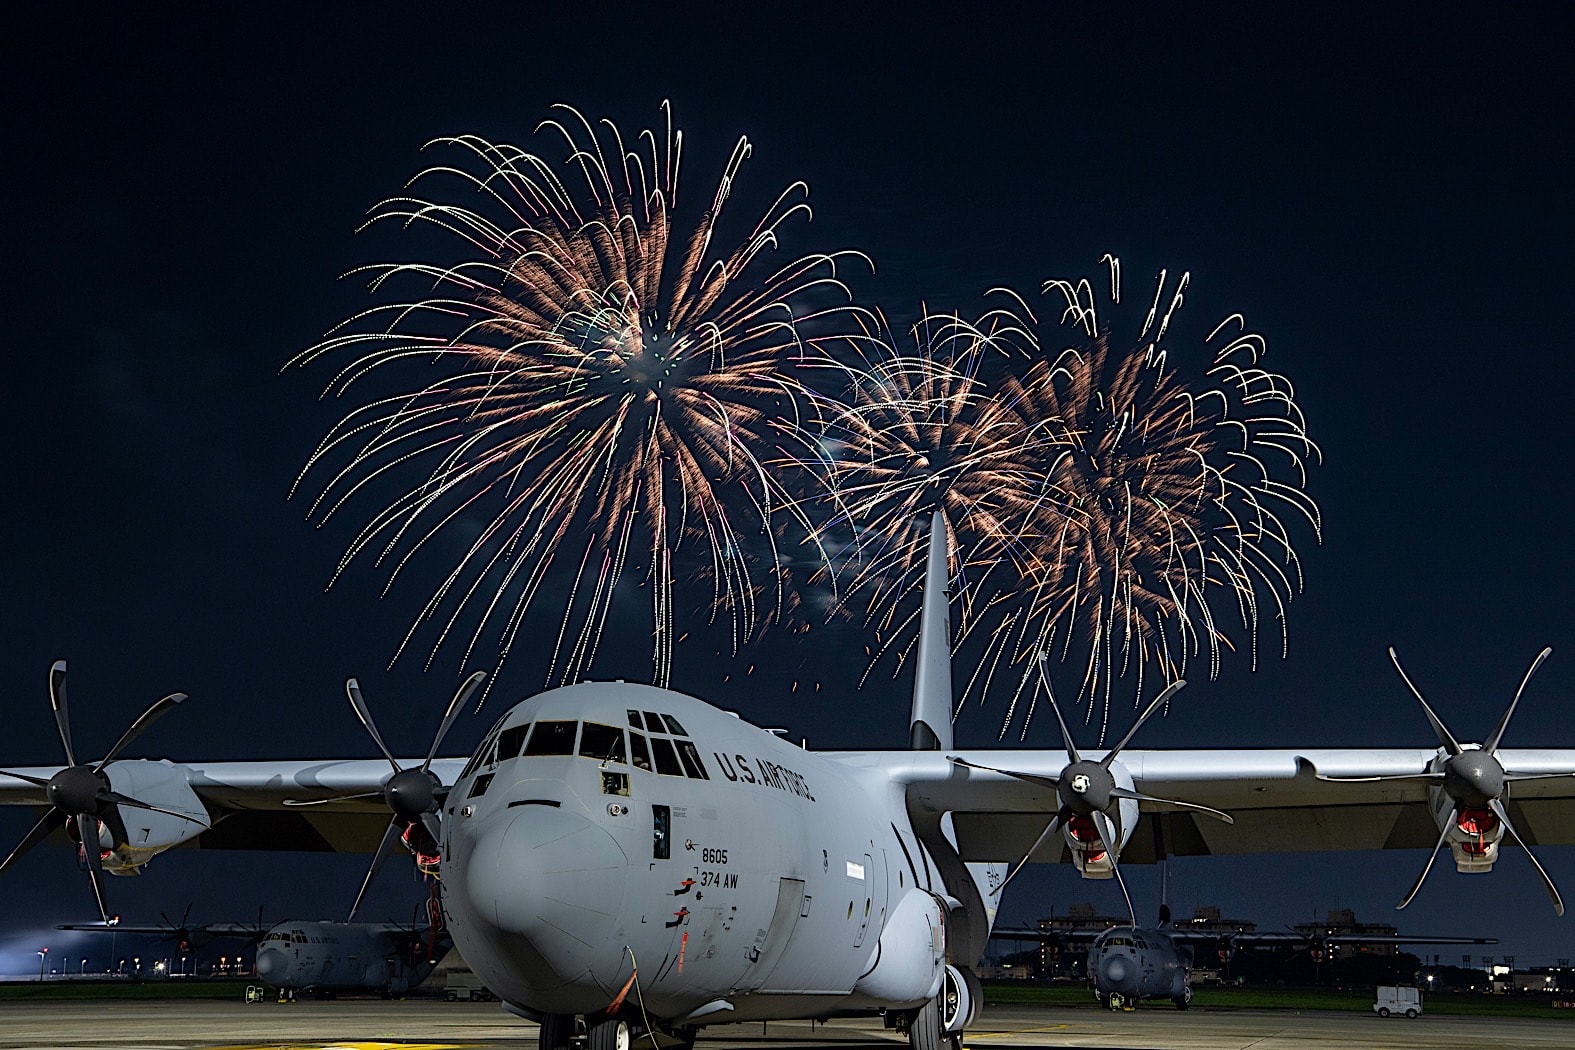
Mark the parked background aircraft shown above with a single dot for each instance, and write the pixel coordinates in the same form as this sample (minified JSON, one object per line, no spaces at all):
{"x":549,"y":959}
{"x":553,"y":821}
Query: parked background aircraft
{"x":322,"y":957}
{"x":618,"y":856}
{"x":1129,"y":963}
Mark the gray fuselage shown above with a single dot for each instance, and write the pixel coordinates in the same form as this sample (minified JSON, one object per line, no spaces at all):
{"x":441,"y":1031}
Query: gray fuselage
{"x":636,"y":829}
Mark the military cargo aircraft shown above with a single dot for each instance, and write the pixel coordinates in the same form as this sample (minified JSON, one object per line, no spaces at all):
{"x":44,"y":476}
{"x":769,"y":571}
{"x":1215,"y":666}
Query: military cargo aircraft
{"x":1130,"y":963}
{"x":620,"y":860}
{"x":324,"y":958}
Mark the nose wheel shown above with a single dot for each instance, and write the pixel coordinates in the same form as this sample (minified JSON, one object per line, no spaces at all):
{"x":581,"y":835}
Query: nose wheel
{"x":607,"y":1034}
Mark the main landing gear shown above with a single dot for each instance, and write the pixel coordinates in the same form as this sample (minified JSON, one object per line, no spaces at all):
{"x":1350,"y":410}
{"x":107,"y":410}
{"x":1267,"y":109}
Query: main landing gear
{"x":939,"y":1024}
{"x":600,"y":1032}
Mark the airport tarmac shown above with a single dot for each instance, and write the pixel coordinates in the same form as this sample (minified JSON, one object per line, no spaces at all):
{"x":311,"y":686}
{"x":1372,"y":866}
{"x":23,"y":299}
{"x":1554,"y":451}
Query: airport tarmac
{"x":429,"y":1024}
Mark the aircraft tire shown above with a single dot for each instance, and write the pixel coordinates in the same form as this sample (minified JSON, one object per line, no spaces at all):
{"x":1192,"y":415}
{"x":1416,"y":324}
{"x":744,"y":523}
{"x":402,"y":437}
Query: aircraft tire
{"x":1183,"y":1000}
{"x":926,"y":1031}
{"x":608,"y":1034}
{"x":556,"y":1031}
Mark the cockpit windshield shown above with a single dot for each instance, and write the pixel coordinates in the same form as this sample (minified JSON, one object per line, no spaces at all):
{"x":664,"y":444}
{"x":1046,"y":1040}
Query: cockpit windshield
{"x":655,"y":743}
{"x":552,"y":738}
{"x":602,"y":742}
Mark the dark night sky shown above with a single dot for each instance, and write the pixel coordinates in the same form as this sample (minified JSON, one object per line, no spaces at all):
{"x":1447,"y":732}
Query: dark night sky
{"x":1384,"y":195}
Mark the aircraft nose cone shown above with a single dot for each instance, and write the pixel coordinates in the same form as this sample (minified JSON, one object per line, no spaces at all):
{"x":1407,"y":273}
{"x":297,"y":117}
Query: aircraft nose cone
{"x":1114,"y":970}
{"x":271,"y":965}
{"x":554,"y":878}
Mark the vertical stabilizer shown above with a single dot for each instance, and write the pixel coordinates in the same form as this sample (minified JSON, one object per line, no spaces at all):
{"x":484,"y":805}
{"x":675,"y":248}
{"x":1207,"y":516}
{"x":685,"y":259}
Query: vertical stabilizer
{"x":930,"y":726}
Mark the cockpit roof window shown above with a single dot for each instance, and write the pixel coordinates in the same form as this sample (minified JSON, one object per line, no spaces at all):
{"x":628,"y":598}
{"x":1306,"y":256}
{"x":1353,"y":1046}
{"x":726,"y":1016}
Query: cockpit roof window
{"x":654,"y":723}
{"x":552,"y":738}
{"x":602,"y":742}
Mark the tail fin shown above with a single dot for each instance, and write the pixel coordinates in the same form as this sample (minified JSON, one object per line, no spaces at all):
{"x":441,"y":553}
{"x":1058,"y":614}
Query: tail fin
{"x":930,"y":724}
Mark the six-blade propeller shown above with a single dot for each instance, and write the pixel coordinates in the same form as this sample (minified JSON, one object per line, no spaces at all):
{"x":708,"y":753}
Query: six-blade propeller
{"x":1471,"y":776}
{"x":413,"y":794}
{"x":1087,"y":789}
{"x":81,"y":793}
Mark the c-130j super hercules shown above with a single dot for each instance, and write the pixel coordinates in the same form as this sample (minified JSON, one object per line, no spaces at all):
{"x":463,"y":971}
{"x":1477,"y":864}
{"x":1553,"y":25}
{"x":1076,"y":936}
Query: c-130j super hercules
{"x":620,"y":861}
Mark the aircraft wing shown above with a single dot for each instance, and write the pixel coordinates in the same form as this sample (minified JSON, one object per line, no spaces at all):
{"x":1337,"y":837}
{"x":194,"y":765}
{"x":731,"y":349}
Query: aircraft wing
{"x":209,"y":929}
{"x":256,"y":805}
{"x":1276,"y":797}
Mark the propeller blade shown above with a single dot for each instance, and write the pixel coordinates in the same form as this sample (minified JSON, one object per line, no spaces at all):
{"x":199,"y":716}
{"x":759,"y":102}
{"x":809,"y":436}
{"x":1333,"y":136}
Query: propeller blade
{"x":331,"y":798}
{"x":461,"y":698}
{"x":1503,"y":815}
{"x":1490,"y":745}
{"x":358,"y":704}
{"x":389,"y":835}
{"x":136,"y":803}
{"x":35,"y":781}
{"x":1032,"y":778}
{"x":1120,"y":792}
{"x":1159,"y":701}
{"x":1454,"y":814}
{"x":1066,"y":734}
{"x":1508,"y":777}
{"x":1445,"y":739}
{"x":1432,"y":777}
{"x":87,"y":828}
{"x":1050,"y":829}
{"x":1107,"y":836}
{"x":149,"y":716}
{"x":57,"y":700}
{"x":40,"y":831}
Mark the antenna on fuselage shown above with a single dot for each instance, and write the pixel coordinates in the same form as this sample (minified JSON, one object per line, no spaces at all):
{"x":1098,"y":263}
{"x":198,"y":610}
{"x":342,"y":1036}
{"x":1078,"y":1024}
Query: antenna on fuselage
{"x":930,"y":723}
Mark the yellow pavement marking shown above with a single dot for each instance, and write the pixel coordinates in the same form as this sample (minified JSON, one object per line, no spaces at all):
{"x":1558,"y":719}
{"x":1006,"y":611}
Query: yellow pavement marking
{"x":347,"y":1046}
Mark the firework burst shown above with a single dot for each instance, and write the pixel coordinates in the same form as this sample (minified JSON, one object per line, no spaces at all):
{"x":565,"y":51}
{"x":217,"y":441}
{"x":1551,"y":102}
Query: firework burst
{"x":923,"y":432}
{"x":1173,"y":501}
{"x":1099,"y":508}
{"x":604,"y":381}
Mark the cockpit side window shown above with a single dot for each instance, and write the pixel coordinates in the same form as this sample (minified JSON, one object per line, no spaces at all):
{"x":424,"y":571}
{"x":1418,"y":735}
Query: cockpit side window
{"x":602,"y":742}
{"x":654,"y":723}
{"x":512,"y":741}
{"x":673,"y":726}
{"x":666,"y":757}
{"x":552,"y":738}
{"x":483,"y":752}
{"x":692,"y":764}
{"x":635,"y":721}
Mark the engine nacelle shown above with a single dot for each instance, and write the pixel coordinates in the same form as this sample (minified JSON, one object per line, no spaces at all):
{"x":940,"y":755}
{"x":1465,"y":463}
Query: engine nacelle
{"x":910,"y":958}
{"x":1474,"y":834}
{"x":1089,"y":855}
{"x":158,"y":783}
